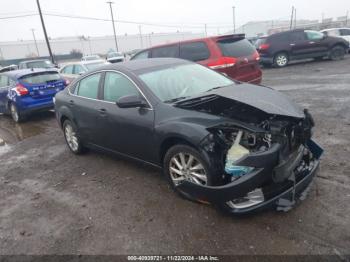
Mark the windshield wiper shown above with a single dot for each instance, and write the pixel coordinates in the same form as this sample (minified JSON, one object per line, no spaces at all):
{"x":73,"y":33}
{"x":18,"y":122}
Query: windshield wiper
{"x":175,"y":99}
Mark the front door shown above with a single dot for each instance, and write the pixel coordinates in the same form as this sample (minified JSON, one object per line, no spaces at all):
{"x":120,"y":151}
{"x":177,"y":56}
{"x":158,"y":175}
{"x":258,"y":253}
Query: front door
{"x":128,"y":131}
{"x":318,"y":45}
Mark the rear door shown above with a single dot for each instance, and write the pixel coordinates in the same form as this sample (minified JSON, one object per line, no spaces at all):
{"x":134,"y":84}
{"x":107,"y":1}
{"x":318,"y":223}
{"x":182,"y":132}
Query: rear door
{"x":4,"y":85}
{"x":85,"y":105}
{"x":345,"y":33}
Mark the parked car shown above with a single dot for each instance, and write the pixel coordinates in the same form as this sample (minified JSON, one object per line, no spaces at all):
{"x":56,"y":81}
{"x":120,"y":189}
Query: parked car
{"x":91,"y":58}
{"x":115,"y":57}
{"x":216,"y":142}
{"x":29,"y":90}
{"x":8,"y":68}
{"x":281,"y":48}
{"x":38,"y":63}
{"x":338,"y":32}
{"x":232,"y":55}
{"x":73,"y":70}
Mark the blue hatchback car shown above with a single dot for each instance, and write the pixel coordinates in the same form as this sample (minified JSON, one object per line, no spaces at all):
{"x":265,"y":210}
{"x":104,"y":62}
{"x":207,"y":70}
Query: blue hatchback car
{"x":25,"y":91}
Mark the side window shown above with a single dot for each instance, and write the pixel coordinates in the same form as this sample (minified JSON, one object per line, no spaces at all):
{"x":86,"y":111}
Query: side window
{"x":297,"y":36}
{"x":78,"y":69}
{"x":117,"y":86}
{"x":88,"y":86}
{"x":344,"y":32}
{"x":68,"y":69}
{"x":314,"y":35}
{"x":333,"y":32}
{"x":166,"y":51}
{"x":4,"y":81}
{"x":142,"y":55}
{"x":196,"y":51}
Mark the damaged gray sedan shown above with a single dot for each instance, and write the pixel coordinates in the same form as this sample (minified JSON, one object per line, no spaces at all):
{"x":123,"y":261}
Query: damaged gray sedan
{"x":240,"y":147}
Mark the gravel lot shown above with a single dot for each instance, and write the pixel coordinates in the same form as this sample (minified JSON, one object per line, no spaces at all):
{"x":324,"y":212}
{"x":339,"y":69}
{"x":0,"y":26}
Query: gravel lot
{"x":52,"y":202}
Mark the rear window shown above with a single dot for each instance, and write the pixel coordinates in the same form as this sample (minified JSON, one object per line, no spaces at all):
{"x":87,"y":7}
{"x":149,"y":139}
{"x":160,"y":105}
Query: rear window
{"x":195,"y":51}
{"x":236,"y":47}
{"x":40,"y":78}
{"x":166,"y":51}
{"x":40,"y":64}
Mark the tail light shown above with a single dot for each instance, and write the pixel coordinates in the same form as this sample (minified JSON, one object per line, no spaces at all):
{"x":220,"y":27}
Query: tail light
{"x":264,"y":47}
{"x":256,"y":56}
{"x":222,"y":62}
{"x":21,"y":90}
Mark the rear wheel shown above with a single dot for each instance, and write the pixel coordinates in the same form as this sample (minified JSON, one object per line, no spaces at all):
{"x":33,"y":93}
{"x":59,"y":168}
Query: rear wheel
{"x":337,"y":53}
{"x":15,"y":114}
{"x":72,"y":139}
{"x":281,"y":60}
{"x":182,"y":163}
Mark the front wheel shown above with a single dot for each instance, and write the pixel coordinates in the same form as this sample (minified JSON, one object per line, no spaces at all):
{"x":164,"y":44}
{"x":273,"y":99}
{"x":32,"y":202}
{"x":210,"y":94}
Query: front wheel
{"x":185,"y":163}
{"x":281,"y":60}
{"x":71,"y":137}
{"x":337,"y":53}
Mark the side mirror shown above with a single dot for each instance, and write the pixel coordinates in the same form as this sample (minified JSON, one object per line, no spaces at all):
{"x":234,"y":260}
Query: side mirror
{"x":131,"y":101}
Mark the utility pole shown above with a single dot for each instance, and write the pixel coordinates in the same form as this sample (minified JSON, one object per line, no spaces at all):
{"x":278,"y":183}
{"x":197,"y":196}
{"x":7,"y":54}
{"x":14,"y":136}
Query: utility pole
{"x":89,"y":44}
{"x":45,"y":33}
{"x":205,"y":29}
{"x":234,"y":18}
{"x":140,"y":33}
{"x":291,"y":18}
{"x":346,"y":19}
{"x":36,"y":44}
{"x":115,"y":36}
{"x":295,"y":18}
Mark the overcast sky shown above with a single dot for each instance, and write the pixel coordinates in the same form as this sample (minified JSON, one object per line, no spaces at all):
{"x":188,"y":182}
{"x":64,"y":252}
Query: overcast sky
{"x":183,"y":15}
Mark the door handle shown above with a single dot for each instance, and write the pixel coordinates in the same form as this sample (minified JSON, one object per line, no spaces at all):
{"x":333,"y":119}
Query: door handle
{"x":71,"y":102}
{"x":102,"y":111}
{"x":311,"y":42}
{"x":292,"y":44}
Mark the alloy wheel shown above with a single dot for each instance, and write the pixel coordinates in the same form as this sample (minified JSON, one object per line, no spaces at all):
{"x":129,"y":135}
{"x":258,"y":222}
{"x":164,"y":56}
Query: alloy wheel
{"x":281,"y":60}
{"x":71,"y":138}
{"x":184,"y":166}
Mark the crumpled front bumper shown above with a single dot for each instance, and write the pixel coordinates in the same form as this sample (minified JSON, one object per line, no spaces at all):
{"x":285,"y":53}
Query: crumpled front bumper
{"x":281,"y":186}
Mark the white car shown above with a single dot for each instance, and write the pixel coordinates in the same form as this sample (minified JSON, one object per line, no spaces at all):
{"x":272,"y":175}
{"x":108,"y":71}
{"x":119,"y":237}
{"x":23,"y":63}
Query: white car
{"x":73,"y":70}
{"x":115,"y":57}
{"x":338,"y":32}
{"x":90,"y":58}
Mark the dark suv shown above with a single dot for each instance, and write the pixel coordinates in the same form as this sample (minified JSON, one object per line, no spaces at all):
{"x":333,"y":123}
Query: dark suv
{"x":278,"y":49}
{"x":232,"y":55}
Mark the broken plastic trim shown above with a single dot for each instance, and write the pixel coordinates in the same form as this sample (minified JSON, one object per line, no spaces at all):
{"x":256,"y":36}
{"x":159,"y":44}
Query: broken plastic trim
{"x":253,"y":198}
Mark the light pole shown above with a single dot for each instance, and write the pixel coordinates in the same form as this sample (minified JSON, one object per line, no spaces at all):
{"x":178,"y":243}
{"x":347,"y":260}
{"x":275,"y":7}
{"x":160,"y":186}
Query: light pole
{"x":140,"y":33}
{"x":45,"y":34}
{"x":36,"y":44}
{"x":234,"y":18}
{"x":115,"y":35}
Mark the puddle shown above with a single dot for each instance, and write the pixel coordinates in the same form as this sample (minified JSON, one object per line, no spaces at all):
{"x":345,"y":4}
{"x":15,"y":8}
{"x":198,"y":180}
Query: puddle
{"x":12,"y":132}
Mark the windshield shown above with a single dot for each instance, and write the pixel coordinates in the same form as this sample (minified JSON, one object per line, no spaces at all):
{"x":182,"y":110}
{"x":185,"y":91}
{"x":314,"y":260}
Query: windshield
{"x":93,"y":66}
{"x":183,"y":81}
{"x":40,"y":78}
{"x":40,"y":64}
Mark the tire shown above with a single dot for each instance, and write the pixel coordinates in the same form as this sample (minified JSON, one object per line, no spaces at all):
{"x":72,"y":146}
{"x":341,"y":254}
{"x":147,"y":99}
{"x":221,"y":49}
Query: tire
{"x":281,"y":60}
{"x":15,"y":114}
{"x":337,"y":53}
{"x":199,"y":164}
{"x":72,"y":138}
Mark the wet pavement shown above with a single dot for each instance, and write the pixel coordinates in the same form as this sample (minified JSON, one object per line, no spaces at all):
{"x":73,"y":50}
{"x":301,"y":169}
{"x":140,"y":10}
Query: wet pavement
{"x":53,"y":202}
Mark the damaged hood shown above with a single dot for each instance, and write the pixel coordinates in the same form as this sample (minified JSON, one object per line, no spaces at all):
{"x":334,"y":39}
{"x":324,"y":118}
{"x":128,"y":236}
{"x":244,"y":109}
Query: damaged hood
{"x":263,"y":98}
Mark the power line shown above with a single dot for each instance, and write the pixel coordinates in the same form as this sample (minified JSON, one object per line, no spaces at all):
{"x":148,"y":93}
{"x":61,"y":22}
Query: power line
{"x":18,"y":16}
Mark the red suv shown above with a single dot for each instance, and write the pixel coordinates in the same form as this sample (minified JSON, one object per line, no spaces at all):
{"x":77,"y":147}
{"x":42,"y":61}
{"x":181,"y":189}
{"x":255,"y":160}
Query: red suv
{"x":232,"y":55}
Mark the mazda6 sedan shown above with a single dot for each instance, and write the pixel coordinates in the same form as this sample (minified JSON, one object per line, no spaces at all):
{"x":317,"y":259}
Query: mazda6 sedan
{"x":240,"y":147}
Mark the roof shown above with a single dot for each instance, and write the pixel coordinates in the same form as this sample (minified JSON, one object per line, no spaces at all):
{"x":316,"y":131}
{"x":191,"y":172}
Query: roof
{"x":23,"y":72}
{"x":84,"y":62}
{"x":145,"y":65}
